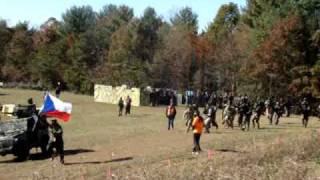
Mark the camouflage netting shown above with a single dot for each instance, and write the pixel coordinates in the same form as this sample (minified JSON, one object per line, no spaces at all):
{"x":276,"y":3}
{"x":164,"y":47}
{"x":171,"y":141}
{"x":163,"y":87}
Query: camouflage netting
{"x":13,"y":127}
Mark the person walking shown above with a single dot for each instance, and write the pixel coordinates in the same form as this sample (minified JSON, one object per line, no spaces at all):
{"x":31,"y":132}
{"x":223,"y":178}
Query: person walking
{"x":128,"y":105}
{"x":197,"y":126}
{"x":171,"y":114}
{"x":121,"y":105}
{"x":305,"y":107}
{"x":58,"y":90}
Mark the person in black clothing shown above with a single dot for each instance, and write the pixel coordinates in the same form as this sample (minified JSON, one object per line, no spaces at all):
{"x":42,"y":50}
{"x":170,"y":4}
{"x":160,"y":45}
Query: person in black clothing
{"x":128,"y":105}
{"x":31,"y":107}
{"x":305,"y":107}
{"x":243,"y":110}
{"x":152,"y":98}
{"x":57,"y":141}
{"x":213,"y":99}
{"x":121,"y":105}
{"x":277,"y":112}
{"x":258,"y":111}
{"x":288,"y":106}
{"x":247,"y":117}
{"x":58,"y":90}
{"x":31,"y":131}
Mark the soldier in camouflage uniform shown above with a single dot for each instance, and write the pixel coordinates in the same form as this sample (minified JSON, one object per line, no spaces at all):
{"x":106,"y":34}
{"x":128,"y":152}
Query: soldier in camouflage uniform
{"x":243,"y":109}
{"x":189,"y":115}
{"x":211,"y":120}
{"x":278,"y":111}
{"x":258,"y":111}
{"x":229,"y":113}
{"x":269,"y":109}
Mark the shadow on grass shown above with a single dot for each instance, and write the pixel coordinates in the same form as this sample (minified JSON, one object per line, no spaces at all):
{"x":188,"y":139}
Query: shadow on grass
{"x":271,"y":128}
{"x":138,"y":115}
{"x":76,"y":151}
{"x":99,"y":162}
{"x":291,"y":123}
{"x":40,"y":156}
{"x":229,"y":150}
{"x":4,"y":94}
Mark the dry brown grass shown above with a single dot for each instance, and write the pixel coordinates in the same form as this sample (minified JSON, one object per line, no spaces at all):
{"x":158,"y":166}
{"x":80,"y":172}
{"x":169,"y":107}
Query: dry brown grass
{"x":140,"y":147}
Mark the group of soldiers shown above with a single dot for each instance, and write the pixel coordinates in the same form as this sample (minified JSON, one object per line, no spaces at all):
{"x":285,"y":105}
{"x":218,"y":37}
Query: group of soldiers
{"x":246,"y":111}
{"x":49,"y":136}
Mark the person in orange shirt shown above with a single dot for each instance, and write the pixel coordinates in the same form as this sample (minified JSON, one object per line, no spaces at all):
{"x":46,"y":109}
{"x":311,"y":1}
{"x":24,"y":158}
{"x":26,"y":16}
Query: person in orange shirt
{"x":197,"y":126}
{"x":171,"y":114}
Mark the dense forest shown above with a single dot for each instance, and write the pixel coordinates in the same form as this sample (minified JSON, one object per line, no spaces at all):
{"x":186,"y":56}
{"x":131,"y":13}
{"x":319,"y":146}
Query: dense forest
{"x":269,"y":46}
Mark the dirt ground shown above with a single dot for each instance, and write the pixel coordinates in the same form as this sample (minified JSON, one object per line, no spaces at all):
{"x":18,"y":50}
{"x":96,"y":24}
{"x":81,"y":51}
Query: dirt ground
{"x":98,"y":143}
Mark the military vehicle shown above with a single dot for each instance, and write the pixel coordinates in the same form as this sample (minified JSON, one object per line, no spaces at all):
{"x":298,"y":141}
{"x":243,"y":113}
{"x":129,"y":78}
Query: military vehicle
{"x":24,"y":132}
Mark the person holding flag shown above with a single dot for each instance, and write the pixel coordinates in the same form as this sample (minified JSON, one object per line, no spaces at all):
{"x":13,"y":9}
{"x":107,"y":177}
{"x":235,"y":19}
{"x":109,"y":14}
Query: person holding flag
{"x":57,"y":140}
{"x":54,"y":107}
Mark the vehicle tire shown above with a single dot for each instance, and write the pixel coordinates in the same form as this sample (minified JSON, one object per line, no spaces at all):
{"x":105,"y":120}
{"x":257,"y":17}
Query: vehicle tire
{"x":23,"y":155}
{"x":21,"y":148}
{"x":23,"y":152}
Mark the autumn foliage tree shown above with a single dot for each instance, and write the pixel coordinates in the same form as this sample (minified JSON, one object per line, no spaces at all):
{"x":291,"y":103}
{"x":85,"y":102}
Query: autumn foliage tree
{"x":266,"y":47}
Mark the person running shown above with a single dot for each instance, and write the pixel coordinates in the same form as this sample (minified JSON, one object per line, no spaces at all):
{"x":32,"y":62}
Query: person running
{"x":247,"y":117}
{"x":258,"y":111}
{"x":288,"y":106}
{"x":269,"y":109}
{"x":229,"y":113}
{"x":277,"y":112}
{"x":197,"y":126}
{"x":121,"y":105}
{"x":128,"y":105}
{"x":188,"y":117}
{"x":211,"y":120}
{"x":171,"y":114}
{"x":241,"y":107}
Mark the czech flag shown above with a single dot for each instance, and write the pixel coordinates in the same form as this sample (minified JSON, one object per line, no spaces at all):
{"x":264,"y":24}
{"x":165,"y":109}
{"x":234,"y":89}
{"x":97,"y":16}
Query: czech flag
{"x":54,"y":107}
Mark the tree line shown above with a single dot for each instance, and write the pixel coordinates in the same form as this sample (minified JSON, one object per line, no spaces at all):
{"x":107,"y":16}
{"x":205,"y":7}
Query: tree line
{"x":268,"y":46}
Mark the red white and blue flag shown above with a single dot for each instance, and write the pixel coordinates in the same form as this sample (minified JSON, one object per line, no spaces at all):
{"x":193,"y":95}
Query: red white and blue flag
{"x":54,"y":107}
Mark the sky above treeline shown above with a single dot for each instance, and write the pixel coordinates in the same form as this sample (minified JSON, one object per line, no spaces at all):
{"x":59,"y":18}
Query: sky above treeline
{"x":37,"y":12}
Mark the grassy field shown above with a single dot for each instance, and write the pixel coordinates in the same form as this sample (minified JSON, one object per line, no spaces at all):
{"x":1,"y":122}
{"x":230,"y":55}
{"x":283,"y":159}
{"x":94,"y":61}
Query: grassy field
{"x":101,"y":145}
